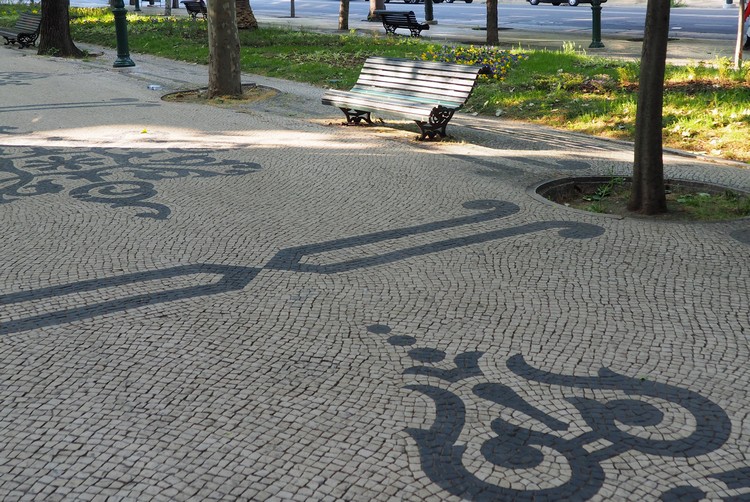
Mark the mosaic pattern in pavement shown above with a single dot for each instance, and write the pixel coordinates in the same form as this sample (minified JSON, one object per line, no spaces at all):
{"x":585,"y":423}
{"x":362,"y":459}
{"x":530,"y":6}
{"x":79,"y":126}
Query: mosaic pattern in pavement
{"x":119,"y":178}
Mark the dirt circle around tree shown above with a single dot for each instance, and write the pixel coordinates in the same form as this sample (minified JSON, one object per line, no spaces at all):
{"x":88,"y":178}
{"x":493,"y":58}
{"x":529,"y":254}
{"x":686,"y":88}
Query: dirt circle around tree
{"x":609,"y":195}
{"x":251,"y":93}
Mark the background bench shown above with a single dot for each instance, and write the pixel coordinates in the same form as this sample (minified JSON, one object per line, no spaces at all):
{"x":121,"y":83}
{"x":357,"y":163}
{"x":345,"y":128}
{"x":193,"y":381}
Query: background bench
{"x":25,"y":32}
{"x":399,"y":19}
{"x":196,"y":8}
{"x":426,"y":92}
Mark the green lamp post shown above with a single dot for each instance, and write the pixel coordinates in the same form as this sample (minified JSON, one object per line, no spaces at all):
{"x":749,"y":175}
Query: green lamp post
{"x":596,"y":24}
{"x":121,"y":31}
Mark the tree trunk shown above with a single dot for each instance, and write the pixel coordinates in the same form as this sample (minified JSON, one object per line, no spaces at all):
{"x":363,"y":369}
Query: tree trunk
{"x":375,"y":5}
{"x":344,"y":15}
{"x":492,"y":38}
{"x":245,"y":17}
{"x":740,"y":36}
{"x":54,"y":31}
{"x":224,"y":75}
{"x":429,"y":13}
{"x":648,"y":195}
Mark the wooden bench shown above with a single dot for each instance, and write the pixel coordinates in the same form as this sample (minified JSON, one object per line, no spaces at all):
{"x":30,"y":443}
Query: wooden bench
{"x":25,"y":32}
{"x":196,"y":8}
{"x":401,"y":19}
{"x":427,"y":92}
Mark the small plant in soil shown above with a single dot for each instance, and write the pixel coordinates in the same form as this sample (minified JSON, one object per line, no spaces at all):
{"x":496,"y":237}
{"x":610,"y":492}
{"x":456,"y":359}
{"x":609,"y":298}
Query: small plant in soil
{"x":686,"y":202}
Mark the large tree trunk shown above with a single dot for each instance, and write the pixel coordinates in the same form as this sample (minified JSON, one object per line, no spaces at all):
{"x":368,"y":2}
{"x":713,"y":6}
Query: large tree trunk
{"x":648,"y":195}
{"x":344,"y":15}
{"x":375,"y":5}
{"x":740,"y":36}
{"x":492,"y":38}
{"x":224,"y":75}
{"x":429,"y":13}
{"x":54,"y":32}
{"x":245,"y":17}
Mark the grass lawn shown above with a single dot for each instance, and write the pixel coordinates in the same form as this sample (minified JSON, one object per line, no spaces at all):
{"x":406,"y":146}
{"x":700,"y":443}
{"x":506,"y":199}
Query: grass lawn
{"x":706,"y":108}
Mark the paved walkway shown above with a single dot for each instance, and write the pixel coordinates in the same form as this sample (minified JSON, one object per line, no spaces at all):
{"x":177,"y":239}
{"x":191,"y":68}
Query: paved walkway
{"x":202,"y":303}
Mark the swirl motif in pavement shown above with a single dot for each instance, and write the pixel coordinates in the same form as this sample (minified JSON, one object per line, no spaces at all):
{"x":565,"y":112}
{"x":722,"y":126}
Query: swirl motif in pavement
{"x":34,"y":171}
{"x":523,"y":445}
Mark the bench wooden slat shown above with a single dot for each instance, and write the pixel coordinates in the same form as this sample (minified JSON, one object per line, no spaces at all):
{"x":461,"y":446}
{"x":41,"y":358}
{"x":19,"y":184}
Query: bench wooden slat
{"x":443,"y":81}
{"x":430,"y":100}
{"x":424,"y":91}
{"x":414,"y":93}
{"x":364,"y":103}
{"x":439,"y":84}
{"x":416,"y":86}
{"x":427,"y":86}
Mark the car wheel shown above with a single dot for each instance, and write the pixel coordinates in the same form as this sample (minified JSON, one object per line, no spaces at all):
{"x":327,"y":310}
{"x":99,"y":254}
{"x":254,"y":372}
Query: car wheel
{"x":449,"y":1}
{"x":534,"y":2}
{"x":468,"y":1}
{"x":572,"y":3}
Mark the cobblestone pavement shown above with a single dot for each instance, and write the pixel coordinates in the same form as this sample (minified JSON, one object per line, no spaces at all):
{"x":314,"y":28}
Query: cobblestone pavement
{"x":201,"y":303}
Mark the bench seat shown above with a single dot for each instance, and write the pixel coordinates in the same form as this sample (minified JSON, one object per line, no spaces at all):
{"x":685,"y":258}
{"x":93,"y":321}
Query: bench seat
{"x":25,"y":32}
{"x":427,"y":92}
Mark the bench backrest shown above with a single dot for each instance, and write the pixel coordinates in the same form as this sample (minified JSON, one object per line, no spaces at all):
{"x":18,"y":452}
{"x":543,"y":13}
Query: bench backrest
{"x":28,"y":23}
{"x":448,"y":84}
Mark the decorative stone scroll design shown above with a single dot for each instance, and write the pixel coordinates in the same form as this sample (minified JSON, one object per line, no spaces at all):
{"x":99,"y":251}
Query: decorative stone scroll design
{"x":237,"y":277}
{"x":98,"y":174}
{"x":518,"y":446}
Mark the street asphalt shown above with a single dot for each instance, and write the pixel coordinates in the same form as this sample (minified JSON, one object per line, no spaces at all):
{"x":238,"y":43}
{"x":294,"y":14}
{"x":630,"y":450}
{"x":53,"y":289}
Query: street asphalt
{"x":256,"y":303}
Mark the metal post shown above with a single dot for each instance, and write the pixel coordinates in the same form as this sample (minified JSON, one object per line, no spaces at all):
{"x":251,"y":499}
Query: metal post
{"x":137,"y":6}
{"x":596,"y":25}
{"x":121,"y":31}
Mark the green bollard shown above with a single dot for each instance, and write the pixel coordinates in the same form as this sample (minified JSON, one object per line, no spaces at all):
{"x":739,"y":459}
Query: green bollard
{"x":596,"y":24}
{"x":121,"y":31}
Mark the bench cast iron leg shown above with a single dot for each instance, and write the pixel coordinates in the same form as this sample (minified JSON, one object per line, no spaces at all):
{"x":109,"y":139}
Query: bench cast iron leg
{"x":355,"y":117}
{"x":415,"y":32}
{"x":438,"y":121}
{"x":26,"y":40}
